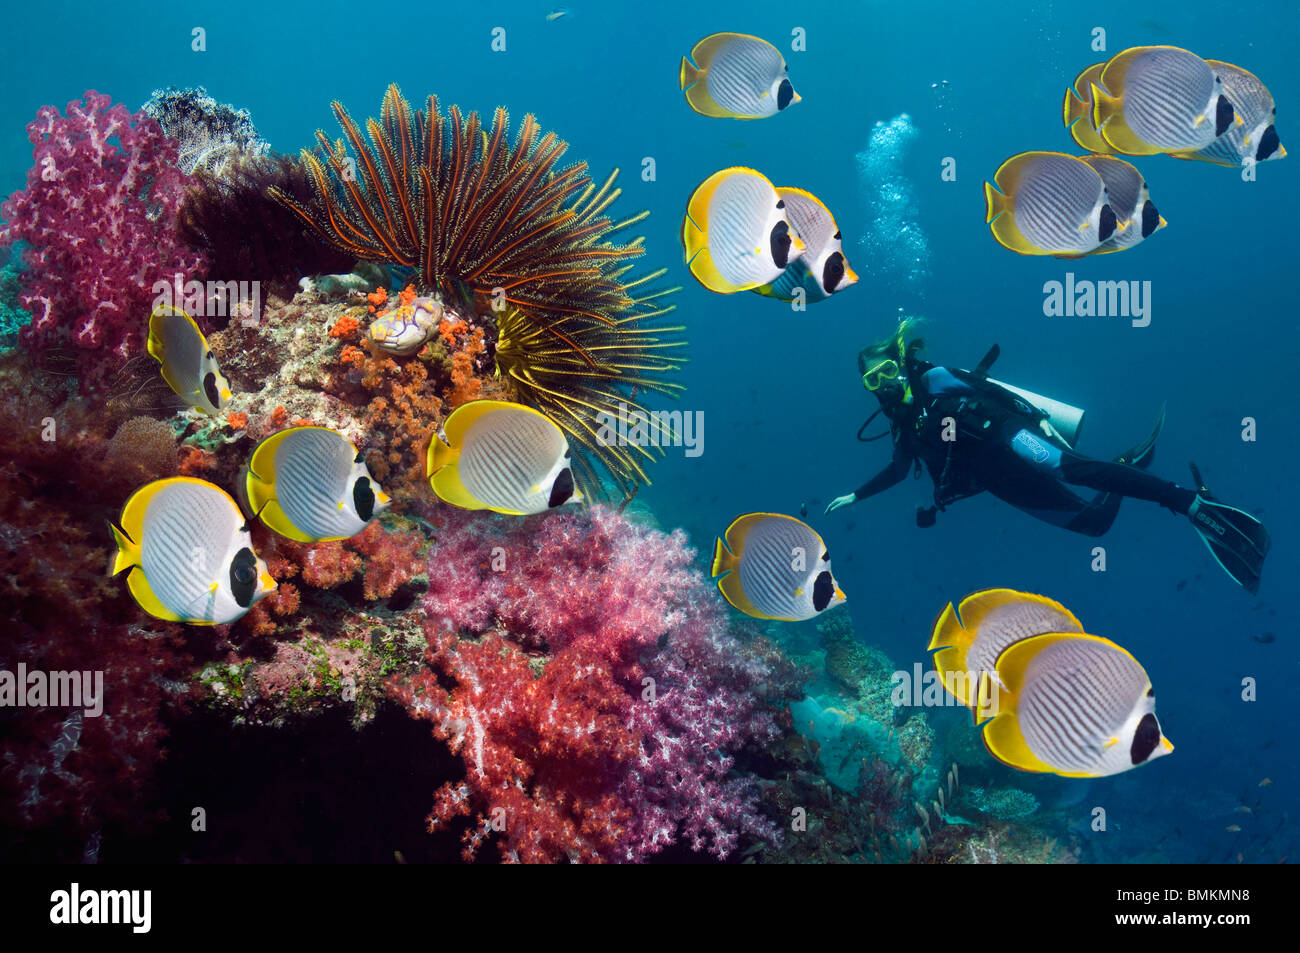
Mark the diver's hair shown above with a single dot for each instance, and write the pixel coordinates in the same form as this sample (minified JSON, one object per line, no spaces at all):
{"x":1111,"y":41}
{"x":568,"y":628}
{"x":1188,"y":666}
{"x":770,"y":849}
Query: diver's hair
{"x":889,"y":347}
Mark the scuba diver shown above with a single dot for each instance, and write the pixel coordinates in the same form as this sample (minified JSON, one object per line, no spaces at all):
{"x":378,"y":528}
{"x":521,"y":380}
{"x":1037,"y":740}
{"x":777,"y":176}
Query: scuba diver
{"x":975,"y":434}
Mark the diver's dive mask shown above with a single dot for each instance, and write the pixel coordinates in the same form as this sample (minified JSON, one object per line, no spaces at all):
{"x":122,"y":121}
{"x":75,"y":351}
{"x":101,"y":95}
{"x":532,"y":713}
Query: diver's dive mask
{"x":878,"y":373}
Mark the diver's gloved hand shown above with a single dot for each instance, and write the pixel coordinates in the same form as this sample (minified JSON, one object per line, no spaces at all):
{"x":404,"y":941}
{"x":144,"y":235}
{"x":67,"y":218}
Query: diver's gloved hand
{"x":841,"y":501}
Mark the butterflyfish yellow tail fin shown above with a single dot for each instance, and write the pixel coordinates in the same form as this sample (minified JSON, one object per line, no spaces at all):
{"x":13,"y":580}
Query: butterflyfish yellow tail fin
{"x":723,"y":559}
{"x":439,"y":456}
{"x":688,"y":75}
{"x":1074,"y":108}
{"x":995,"y":203}
{"x":128,"y":551}
{"x":150,"y":603}
{"x":732,"y":590}
{"x":1004,"y":740}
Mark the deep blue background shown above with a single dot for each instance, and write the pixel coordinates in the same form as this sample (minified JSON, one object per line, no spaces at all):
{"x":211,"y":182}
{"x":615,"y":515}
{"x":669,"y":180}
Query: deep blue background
{"x":779,"y":390}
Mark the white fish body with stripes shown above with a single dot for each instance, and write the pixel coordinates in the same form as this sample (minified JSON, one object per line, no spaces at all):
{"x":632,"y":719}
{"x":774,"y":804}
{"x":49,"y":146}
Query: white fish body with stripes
{"x":823,"y":270}
{"x":1154,"y":99}
{"x":1127,"y":194}
{"x":501,"y":456}
{"x":189,"y":552}
{"x":310,"y":484}
{"x":186,"y":362}
{"x":736,"y":235}
{"x":1071,"y":704}
{"x":736,"y":76}
{"x":968,"y":638}
{"x":1255,"y":138}
{"x":772,"y":566}
{"x":1048,"y":203}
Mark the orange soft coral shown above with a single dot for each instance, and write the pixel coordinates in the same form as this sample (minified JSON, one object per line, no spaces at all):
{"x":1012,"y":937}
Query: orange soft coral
{"x":464,"y":385}
{"x":196,"y":462}
{"x":237,"y":421}
{"x":402,"y":413}
{"x":385,"y":561}
{"x":450,"y":327}
{"x":390,"y":559}
{"x":376,"y":298}
{"x":345,"y":327}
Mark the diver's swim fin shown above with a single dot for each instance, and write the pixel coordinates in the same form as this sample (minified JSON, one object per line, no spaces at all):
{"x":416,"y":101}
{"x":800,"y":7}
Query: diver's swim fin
{"x":1141,"y":455}
{"x":1237,"y":541}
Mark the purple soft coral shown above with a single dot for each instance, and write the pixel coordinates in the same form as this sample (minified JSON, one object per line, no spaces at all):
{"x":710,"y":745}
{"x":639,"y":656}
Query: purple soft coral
{"x":98,"y":217}
{"x":599,"y":585}
{"x":704,"y":708}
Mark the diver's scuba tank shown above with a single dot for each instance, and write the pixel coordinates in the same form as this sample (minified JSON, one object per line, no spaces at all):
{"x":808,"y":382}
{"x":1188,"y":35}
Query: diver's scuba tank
{"x":1064,"y":418}
{"x":1059,"y":419}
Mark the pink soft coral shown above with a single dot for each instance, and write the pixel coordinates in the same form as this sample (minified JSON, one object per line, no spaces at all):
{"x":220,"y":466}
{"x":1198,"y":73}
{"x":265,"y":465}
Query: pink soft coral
{"x":596,"y":580}
{"x":618,"y":607}
{"x":98,"y":217}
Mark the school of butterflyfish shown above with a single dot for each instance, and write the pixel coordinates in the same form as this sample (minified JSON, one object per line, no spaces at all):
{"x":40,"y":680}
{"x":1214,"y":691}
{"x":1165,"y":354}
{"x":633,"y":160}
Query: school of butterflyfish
{"x":1145,"y":101}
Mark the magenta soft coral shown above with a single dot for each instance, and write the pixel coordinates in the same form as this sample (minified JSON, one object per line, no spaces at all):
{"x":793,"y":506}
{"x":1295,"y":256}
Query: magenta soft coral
{"x":621,"y":603}
{"x":98,"y":218}
{"x":704,"y":707}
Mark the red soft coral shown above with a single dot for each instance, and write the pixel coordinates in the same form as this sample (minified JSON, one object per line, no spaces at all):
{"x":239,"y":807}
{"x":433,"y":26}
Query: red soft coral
{"x":385,"y":560}
{"x":633,"y":631}
{"x":542,"y":753}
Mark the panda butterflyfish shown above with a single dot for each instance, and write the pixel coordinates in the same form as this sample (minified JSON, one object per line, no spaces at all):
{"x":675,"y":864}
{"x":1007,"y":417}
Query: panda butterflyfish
{"x":1153,"y":99}
{"x":187,"y":363}
{"x":823,"y":269}
{"x":1048,"y":203}
{"x":190,"y":553}
{"x":501,"y":456}
{"x":968,"y":638}
{"x":1077,"y":110}
{"x":1071,"y":704}
{"x":775,"y":567}
{"x":1254,"y":139}
{"x":736,"y":76}
{"x":1128,"y":197}
{"x":736,"y":235}
{"x":311,"y":484}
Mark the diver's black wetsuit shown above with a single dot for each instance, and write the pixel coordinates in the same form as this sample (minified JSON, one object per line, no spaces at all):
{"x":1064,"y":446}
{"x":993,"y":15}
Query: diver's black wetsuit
{"x":1003,"y":446}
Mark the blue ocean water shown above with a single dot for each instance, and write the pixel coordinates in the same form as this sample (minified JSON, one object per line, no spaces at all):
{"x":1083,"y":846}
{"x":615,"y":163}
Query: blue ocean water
{"x":778,"y":389}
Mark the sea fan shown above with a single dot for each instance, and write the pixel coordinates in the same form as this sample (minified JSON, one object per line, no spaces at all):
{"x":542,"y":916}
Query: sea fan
{"x":478,"y":219}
